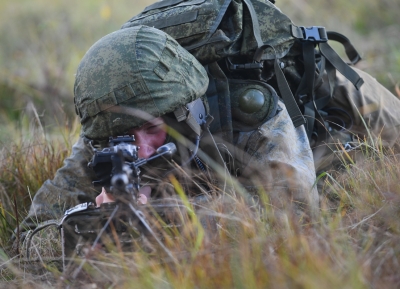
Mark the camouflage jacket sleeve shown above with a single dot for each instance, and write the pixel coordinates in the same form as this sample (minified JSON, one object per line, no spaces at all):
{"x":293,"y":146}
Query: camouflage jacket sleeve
{"x":70,"y":186}
{"x":276,"y":159}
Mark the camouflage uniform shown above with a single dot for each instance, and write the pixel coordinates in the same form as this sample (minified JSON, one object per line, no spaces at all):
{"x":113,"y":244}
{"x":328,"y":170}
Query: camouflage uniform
{"x":144,"y":68}
{"x":372,"y":112}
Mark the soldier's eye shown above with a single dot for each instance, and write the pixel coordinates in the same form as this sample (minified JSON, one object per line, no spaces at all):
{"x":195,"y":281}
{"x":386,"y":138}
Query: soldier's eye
{"x":153,"y":129}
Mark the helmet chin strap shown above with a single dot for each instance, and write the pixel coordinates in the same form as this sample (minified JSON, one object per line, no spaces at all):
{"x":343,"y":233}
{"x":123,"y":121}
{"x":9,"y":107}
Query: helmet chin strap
{"x":194,"y":151}
{"x":195,"y":115}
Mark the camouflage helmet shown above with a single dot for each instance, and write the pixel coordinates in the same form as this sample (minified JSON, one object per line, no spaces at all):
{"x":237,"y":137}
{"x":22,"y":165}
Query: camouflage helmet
{"x":131,"y":76}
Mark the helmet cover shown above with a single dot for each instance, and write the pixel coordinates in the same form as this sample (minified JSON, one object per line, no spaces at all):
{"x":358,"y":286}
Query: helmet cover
{"x":131,"y":76}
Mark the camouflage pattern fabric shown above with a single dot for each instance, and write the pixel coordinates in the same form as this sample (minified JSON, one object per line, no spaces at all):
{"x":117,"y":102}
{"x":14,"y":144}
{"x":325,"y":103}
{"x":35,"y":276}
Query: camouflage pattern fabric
{"x":131,"y":76}
{"x":273,"y":158}
{"x":215,"y":29}
{"x":374,"y":112}
{"x":274,"y":31}
{"x":276,"y":155}
{"x":276,"y":160}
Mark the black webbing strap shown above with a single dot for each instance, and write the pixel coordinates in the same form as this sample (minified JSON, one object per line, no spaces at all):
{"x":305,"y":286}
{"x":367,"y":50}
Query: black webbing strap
{"x":310,"y":37}
{"x":309,"y":68}
{"x":213,"y":28}
{"x":309,"y":73}
{"x":350,"y":50}
{"x":287,"y":96}
{"x":331,"y":72}
{"x":284,"y":89}
{"x":309,"y":114}
{"x":318,"y":35}
{"x":320,"y":102}
{"x":340,"y":65}
{"x":224,"y":101}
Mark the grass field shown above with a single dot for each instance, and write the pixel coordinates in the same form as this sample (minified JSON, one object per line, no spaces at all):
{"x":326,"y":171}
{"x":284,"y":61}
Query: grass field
{"x":353,"y":243}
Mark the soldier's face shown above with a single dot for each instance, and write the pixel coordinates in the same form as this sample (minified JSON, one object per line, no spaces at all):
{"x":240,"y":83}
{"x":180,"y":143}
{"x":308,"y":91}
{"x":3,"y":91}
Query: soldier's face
{"x":149,"y":137}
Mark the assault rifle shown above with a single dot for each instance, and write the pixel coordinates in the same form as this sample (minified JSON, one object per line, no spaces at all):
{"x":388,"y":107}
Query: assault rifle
{"x":121,"y":223}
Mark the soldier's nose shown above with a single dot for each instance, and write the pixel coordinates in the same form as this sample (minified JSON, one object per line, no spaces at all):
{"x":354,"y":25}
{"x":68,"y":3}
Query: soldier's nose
{"x":146,"y":150}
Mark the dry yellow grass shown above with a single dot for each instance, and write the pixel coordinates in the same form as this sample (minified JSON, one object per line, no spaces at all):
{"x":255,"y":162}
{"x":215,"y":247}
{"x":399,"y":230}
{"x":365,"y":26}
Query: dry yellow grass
{"x":353,"y":243}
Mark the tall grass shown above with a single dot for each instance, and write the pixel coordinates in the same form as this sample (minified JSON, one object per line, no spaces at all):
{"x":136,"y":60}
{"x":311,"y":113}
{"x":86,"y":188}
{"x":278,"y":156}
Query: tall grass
{"x":26,"y":160}
{"x":353,"y":243}
{"x":42,"y":44}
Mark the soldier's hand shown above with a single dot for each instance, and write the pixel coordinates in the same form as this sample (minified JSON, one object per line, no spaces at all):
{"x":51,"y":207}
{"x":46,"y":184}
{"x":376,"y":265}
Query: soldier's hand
{"x":104,"y":197}
{"x":144,"y":194}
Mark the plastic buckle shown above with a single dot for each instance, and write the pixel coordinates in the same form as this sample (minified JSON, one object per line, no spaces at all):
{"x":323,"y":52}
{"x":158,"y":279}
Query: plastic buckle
{"x":314,"y":33}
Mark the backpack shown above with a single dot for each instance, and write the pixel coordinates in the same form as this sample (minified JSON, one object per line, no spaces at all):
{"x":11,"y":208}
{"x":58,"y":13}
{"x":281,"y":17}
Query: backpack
{"x":253,"y":39}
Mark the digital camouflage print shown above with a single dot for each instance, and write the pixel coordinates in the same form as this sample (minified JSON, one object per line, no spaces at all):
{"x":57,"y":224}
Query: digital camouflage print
{"x":213,"y":30}
{"x":131,"y":76}
{"x":107,"y":70}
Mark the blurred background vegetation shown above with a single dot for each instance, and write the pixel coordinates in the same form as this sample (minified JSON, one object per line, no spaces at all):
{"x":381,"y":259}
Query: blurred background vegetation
{"x":42,"y":42}
{"x":356,"y":244}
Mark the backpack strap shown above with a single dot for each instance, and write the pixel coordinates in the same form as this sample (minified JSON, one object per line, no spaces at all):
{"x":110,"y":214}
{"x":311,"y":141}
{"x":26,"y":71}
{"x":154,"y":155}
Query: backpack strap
{"x":284,"y":89}
{"x":312,"y":37}
{"x":221,"y":83}
{"x":309,"y":74}
{"x":340,"y":65}
{"x":318,"y":36}
{"x":350,"y":50}
{"x":287,"y":96}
